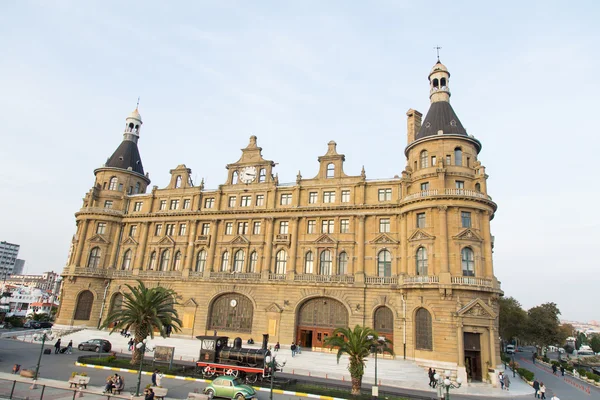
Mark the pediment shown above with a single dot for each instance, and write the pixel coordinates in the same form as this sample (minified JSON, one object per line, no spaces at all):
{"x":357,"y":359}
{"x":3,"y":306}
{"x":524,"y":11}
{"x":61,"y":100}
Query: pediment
{"x":420,"y":234}
{"x":274,"y":308}
{"x":166,"y":241}
{"x":240,"y":240}
{"x":97,"y":238}
{"x":190,"y":303}
{"x":469,"y":234}
{"x":130,"y":241}
{"x":384,"y":239}
{"x":477,"y":308}
{"x":325,"y":238}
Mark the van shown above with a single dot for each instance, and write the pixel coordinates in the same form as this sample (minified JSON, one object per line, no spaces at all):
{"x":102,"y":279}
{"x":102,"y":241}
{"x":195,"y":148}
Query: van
{"x":510,"y":349}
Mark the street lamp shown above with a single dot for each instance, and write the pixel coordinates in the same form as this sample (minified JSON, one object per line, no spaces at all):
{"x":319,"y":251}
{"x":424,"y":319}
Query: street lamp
{"x":45,"y":335}
{"x":142,"y":346}
{"x":513,"y":364}
{"x":270,"y":361}
{"x":375,"y":349}
{"x":447,"y":383}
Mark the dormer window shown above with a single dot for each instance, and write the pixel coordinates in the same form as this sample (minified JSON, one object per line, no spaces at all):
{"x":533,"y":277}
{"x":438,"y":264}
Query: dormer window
{"x":178,"y":182}
{"x":137,"y":188}
{"x":458,"y":156}
{"x":262,"y":176}
{"x":112,"y":184}
{"x":330,"y":170}
{"x":424,"y":159}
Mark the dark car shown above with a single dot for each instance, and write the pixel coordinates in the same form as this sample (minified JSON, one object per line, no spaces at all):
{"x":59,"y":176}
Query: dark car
{"x":45,"y":324}
{"x":32,"y":325}
{"x":97,"y":345}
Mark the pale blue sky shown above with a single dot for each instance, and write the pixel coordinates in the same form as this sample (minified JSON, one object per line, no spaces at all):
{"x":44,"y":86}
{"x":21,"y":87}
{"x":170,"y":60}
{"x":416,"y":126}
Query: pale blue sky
{"x":298,"y":74}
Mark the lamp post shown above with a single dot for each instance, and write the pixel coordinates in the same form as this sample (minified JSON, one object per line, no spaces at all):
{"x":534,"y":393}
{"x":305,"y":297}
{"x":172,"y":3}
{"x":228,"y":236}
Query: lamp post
{"x":513,"y":364}
{"x":272,"y":363}
{"x":375,"y":349}
{"x":45,"y":335}
{"x":447,"y":383}
{"x":142,"y":346}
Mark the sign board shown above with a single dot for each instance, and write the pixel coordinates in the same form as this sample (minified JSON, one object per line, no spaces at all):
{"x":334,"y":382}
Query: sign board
{"x":164,"y":354}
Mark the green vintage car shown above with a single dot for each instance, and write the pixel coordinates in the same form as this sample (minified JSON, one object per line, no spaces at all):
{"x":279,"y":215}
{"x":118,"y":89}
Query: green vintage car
{"x":231,"y":388}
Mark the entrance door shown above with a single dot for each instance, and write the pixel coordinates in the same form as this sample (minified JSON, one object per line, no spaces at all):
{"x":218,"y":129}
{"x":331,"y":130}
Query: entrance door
{"x":472,"y":346}
{"x":317,"y":319}
{"x":306,"y":339}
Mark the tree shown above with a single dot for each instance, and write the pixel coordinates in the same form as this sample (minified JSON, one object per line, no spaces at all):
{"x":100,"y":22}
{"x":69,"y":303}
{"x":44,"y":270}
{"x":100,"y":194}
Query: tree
{"x":357,"y":344}
{"x":595,"y":343}
{"x":144,"y":310}
{"x":581,"y":339}
{"x":543,"y":323}
{"x":512,"y":319}
{"x":565,"y":331}
{"x":39,"y":316}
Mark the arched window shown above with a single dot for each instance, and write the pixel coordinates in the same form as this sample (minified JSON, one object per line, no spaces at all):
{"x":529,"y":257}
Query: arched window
{"x":281,"y":261}
{"x":225,"y":261}
{"x":130,"y":127}
{"x":178,"y":182}
{"x":325,"y":263}
{"x":201,"y":261}
{"x":236,"y":318}
{"x":126,"y":264}
{"x":152,"y":262}
{"x":309,"y":263}
{"x":137,"y":188}
{"x":384,"y":263}
{"x":83,"y":309}
{"x":164,"y":260}
{"x":116,"y":303}
{"x":235,"y":178}
{"x":421,"y":261}
{"x":262,"y":175}
{"x":424,"y":159}
{"x":253,"y":262}
{"x":137,"y":128}
{"x":423,"y":334}
{"x":343,"y":263}
{"x":457,"y":156}
{"x":238,"y":261}
{"x":436,"y":83}
{"x":478,"y":187}
{"x":112,"y":184}
{"x":94,"y":260}
{"x":330,"y":170}
{"x":177,"y":262}
{"x":468,"y":261}
{"x":443,"y":82}
{"x":383,"y":320}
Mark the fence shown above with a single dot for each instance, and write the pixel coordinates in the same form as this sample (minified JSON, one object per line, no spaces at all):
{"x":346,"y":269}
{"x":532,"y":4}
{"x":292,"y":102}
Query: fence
{"x":14,"y":389}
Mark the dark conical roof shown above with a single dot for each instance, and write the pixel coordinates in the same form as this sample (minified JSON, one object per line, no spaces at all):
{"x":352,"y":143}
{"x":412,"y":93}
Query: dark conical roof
{"x":127,"y":155}
{"x":440,"y":117}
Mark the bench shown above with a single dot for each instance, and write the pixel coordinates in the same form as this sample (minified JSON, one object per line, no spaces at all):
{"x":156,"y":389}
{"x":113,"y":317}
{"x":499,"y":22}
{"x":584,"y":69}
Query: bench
{"x":79,"y":381}
{"x":197,"y":396}
{"x":120,"y":388}
{"x":159,"y":393}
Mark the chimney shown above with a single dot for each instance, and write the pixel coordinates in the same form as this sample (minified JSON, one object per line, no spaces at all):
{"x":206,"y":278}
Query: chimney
{"x":265,"y":343}
{"x":413,"y":124}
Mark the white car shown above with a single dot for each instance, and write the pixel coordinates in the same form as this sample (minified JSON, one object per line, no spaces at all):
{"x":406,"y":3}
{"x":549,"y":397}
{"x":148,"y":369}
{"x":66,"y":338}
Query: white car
{"x":510,"y":349}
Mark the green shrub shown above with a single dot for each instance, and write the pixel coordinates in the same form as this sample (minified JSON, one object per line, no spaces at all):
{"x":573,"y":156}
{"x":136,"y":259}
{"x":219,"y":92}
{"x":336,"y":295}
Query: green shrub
{"x":582,"y":372}
{"x":525,"y":373}
{"x":569,"y":349}
{"x":545,"y":359}
{"x":555,"y":363}
{"x":15,"y":321}
{"x":593,"y":376}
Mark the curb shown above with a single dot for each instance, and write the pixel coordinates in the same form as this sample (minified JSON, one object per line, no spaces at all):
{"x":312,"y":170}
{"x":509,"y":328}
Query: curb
{"x":186,"y":378}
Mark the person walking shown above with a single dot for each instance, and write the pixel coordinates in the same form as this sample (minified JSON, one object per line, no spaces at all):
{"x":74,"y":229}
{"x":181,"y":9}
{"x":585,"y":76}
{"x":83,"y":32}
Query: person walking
{"x":277,"y":346}
{"x":536,"y":387}
{"x":430,"y":373}
{"x":433,"y":381}
{"x":130,"y":344}
{"x":159,"y":377}
{"x":554,"y":369}
{"x":533,"y":357}
{"x":153,"y":378}
{"x":501,"y":380}
{"x":70,"y":347}
{"x":542,"y":391}
{"x":57,"y":346}
{"x":293,"y":348}
{"x":562,"y":370}
{"x":507,"y":382}
{"x":149,"y":394}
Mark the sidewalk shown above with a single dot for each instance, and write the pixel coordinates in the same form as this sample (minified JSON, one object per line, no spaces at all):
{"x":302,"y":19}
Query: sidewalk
{"x":394,"y":373}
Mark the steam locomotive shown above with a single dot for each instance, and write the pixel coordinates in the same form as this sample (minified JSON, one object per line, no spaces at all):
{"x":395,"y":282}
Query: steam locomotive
{"x":218,"y":358}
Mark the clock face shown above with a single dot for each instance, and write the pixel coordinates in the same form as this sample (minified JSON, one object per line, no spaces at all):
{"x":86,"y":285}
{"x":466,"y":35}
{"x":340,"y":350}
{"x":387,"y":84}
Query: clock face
{"x":248,"y":174}
{"x":233,"y":303}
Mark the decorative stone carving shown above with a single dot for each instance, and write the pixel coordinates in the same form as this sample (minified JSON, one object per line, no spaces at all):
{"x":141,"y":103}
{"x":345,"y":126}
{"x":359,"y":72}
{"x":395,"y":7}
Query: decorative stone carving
{"x":420,"y":235}
{"x":469,"y":234}
{"x":384,"y":239}
{"x":325,"y":239}
{"x":240,"y":240}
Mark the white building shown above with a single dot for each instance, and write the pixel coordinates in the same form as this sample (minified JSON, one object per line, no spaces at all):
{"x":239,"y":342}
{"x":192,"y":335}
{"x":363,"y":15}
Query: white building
{"x":23,"y":301}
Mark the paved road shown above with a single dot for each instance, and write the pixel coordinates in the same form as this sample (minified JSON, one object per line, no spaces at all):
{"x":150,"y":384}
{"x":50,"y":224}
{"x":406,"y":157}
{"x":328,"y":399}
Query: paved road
{"x":566,"y":388}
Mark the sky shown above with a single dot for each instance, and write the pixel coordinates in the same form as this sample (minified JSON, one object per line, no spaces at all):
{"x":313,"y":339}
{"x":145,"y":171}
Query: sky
{"x":297,"y":74}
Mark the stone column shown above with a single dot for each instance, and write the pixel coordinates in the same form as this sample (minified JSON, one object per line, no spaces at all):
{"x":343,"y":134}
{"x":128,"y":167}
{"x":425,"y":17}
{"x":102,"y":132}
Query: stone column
{"x":189,"y":255}
{"x":115,"y":246}
{"x":212,"y":248}
{"x":460,"y":344}
{"x":81,"y":242}
{"x":492,"y":345}
{"x":403,"y":245}
{"x":443,"y":241}
{"x":294,"y":244}
{"x":266,"y":264}
{"x":141,"y":251}
{"x":360,"y":264}
{"x":487,"y":244}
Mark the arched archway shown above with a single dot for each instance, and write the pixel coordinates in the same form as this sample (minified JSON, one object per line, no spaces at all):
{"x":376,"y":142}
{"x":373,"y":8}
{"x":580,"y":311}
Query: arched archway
{"x":383,"y":323}
{"x":83,"y":306}
{"x":317,"y":318}
{"x":231,"y":312}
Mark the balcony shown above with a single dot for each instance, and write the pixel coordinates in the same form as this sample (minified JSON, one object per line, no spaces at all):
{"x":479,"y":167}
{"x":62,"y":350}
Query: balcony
{"x":447,"y":192}
{"x":277,"y":277}
{"x":122,"y":273}
{"x":421,"y":279}
{"x":381,"y":280}
{"x":96,"y":272}
{"x":471,"y":281}
{"x":247,"y":276}
{"x":282,"y":238}
{"x":160,"y":274}
{"x":203,"y":239}
{"x":313,"y":278}
{"x":101,"y":210}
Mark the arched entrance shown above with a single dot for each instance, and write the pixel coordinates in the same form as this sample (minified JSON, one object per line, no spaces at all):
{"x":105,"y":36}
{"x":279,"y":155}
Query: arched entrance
{"x":317,"y":318}
{"x":383,"y":323}
{"x":83,"y":308}
{"x":231,"y":312}
{"x":115,"y":304}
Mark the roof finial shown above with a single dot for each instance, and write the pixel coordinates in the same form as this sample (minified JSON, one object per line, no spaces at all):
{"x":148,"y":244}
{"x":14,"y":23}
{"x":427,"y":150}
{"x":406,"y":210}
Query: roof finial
{"x":437,"y":49}
{"x":138,"y":103}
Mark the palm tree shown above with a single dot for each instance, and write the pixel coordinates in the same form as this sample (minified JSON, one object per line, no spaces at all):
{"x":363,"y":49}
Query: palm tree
{"x":143,"y":310}
{"x":358,"y":344}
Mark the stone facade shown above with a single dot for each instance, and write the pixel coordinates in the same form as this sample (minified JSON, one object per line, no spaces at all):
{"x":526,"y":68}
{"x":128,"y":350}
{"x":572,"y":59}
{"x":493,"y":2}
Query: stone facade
{"x":410,"y":256}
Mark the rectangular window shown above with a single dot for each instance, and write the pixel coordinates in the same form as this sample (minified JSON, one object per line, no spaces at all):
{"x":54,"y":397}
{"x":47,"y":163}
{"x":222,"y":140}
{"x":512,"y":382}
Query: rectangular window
{"x":101,"y":228}
{"x":182,"y":229}
{"x":245,"y":201}
{"x":209,"y":202}
{"x":312,"y":197}
{"x":205,"y":229}
{"x":163,"y":205}
{"x":465,"y":218}
{"x":170,"y":229}
{"x":231,"y":201}
{"x":286,"y":199}
{"x":327,"y":226}
{"x":384,"y":225}
{"x":424,"y":186}
{"x":283,"y":227}
{"x":328,"y":197}
{"x":137,"y":206}
{"x":229,"y":228}
{"x":186,"y":204}
{"x":242,"y":228}
{"x":311,"y":226}
{"x":421,"y":220}
{"x":460,"y":184}
{"x":448,"y":159}
{"x":158,"y":230}
{"x":345,"y":196}
{"x":260,"y":199}
{"x":174,"y":205}
{"x":256,"y":228}
{"x":385,"y":194}
{"x":132,"y":230}
{"x":344,"y":225}
{"x":433,"y":161}
{"x":108,"y":204}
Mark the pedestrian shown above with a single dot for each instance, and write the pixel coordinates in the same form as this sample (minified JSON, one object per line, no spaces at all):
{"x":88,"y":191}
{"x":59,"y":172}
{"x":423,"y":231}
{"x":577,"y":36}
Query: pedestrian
{"x":70,"y":347}
{"x":149,"y":394}
{"x":57,"y":346}
{"x":506,"y":382}
{"x":533,"y":357}
{"x":542,"y":390}
{"x":109,"y":385}
{"x":298,"y":349}
{"x":130,"y":344}
{"x":293,"y":348}
{"x":159,"y":377}
{"x":153,"y":378}
{"x":562,"y":370}
{"x":501,"y":379}
{"x":434,"y":381}
{"x":554,"y":368}
{"x":536,"y":387}
{"x":430,"y":373}
{"x":277,"y":346}
{"x":554,"y":398}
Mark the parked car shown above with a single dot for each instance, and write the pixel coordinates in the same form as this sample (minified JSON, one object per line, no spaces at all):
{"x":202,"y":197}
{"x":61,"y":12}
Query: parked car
{"x":45,"y":324}
{"x":97,"y":345}
{"x":510,"y":349}
{"x":230,"y":388}
{"x":31,"y":325}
